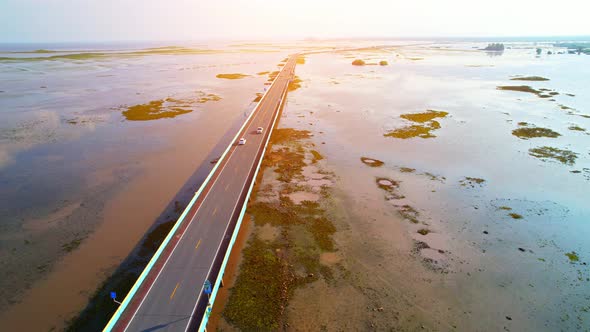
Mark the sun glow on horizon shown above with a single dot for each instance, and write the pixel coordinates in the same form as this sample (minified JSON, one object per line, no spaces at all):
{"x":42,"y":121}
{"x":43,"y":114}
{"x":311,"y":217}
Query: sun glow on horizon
{"x":63,"y":20}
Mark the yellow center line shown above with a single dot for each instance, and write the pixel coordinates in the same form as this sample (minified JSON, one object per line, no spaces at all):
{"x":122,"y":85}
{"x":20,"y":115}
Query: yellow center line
{"x":198,"y":244}
{"x":174,"y":291}
{"x":215,"y":211}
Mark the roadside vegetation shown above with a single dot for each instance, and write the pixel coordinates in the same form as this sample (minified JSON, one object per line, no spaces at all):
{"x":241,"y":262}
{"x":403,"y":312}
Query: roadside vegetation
{"x":295,"y":84}
{"x":273,"y":267}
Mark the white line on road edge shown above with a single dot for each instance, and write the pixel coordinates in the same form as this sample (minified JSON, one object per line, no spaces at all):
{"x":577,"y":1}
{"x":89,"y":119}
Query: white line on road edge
{"x":113,"y":321}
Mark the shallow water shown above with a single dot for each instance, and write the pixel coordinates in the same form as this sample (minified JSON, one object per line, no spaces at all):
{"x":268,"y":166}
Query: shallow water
{"x":74,"y":171}
{"x":80,"y":185}
{"x":518,"y":268}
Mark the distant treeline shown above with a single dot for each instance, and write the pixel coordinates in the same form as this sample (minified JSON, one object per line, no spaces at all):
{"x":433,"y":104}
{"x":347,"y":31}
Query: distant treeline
{"x":494,"y":47}
{"x":583,"y":47}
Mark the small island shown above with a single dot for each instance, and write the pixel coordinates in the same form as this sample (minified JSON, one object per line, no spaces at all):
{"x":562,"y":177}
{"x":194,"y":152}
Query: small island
{"x":358,"y":62}
{"x":383,"y":63}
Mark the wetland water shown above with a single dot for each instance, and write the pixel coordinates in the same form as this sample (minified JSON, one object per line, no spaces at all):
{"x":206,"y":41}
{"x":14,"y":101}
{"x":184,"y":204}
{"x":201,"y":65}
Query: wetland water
{"x":94,"y":145}
{"x":472,"y":222}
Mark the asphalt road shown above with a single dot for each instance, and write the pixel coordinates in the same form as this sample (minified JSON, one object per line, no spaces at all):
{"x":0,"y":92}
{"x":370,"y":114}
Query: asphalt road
{"x":170,"y":303}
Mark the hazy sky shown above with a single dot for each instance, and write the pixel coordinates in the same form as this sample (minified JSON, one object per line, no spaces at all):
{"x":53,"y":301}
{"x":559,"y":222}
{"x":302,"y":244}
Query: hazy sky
{"x":111,"y":20}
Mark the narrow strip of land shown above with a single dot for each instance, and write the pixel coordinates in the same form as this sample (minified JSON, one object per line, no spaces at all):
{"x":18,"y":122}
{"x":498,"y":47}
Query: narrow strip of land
{"x":171,"y":298}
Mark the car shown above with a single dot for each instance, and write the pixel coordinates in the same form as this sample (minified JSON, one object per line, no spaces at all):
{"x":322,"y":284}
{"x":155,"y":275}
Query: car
{"x":242,"y":141}
{"x":259,"y":130}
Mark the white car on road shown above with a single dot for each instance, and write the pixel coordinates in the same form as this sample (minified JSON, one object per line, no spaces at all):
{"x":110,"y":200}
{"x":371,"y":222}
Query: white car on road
{"x":259,"y":130}
{"x":242,"y":141}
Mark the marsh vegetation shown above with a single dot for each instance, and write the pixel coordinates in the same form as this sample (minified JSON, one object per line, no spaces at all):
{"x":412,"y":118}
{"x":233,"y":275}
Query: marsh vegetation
{"x":234,"y":76}
{"x":423,"y":130}
{"x":152,"y":111}
{"x":533,"y":132}
{"x":273,"y":267}
{"x":529,"y":78}
{"x":564,"y":156}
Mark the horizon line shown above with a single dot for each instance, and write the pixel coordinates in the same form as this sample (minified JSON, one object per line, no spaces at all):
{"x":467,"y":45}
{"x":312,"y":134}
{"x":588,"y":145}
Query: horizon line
{"x":308,"y":38}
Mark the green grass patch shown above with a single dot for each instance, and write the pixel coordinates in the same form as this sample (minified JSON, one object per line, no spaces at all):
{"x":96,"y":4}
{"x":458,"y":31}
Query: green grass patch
{"x":546,"y":152}
{"x":322,"y":230}
{"x":472,"y":182}
{"x":284,"y":135}
{"x":316,"y":156}
{"x":72,"y":245}
{"x":288,"y":163}
{"x":576,"y":128}
{"x":271,"y":270}
{"x":273,"y":75}
{"x":515,"y":215}
{"x":234,"y":76}
{"x":295,"y":84}
{"x":262,"y":289}
{"x":207,"y":97}
{"x":423,"y":117}
{"x":423,"y":231}
{"x":423,"y":130}
{"x":532,"y":132}
{"x":520,"y":88}
{"x":409,"y":213}
{"x":529,"y":78}
{"x":573,"y":256}
{"x":300,"y":60}
{"x":152,"y":111}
